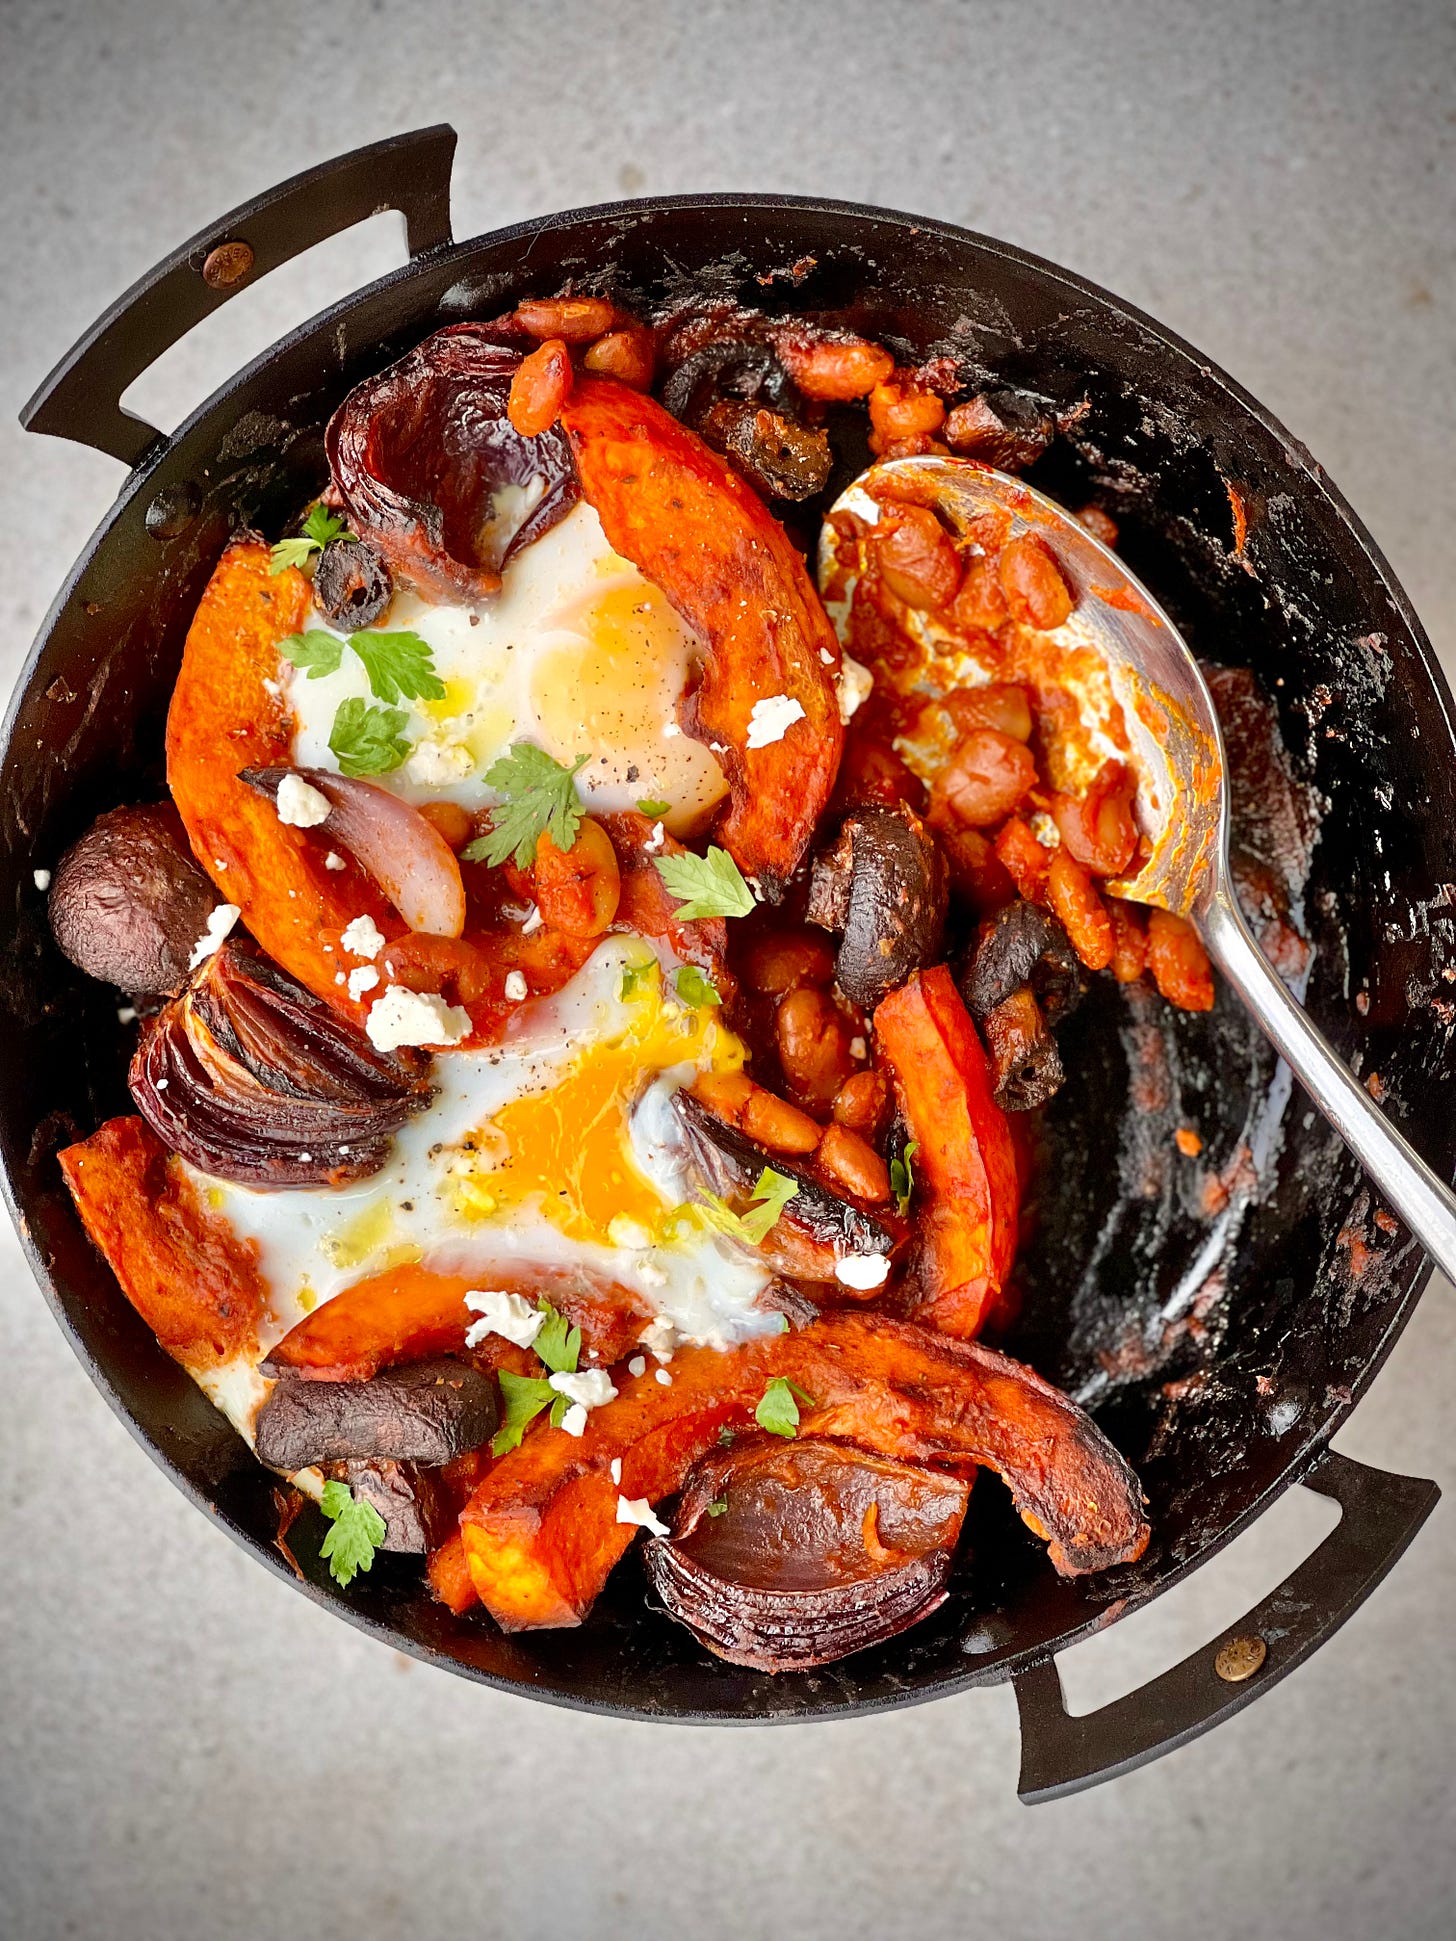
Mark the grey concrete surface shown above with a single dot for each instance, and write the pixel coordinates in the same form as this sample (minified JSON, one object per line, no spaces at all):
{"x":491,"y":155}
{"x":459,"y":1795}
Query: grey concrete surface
{"x":191,"y":1751}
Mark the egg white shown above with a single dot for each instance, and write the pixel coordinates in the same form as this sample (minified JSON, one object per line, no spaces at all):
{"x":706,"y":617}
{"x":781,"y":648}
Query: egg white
{"x":578,"y":653}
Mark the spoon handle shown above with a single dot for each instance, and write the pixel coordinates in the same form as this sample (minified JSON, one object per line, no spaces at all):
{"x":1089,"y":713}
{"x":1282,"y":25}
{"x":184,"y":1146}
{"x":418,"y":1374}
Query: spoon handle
{"x":1405,"y":1180}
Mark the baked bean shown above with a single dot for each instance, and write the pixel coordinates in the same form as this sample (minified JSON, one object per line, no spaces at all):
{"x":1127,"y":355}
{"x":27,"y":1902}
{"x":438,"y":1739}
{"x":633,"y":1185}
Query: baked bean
{"x":1000,"y":705}
{"x":1101,"y":830}
{"x":1129,"y":940}
{"x":1032,"y":582}
{"x":984,"y":780}
{"x":1082,"y":912}
{"x":918,"y":445}
{"x":449,"y":820}
{"x":575,"y":320}
{"x":871,"y":771}
{"x":578,"y":889}
{"x":540,"y":387}
{"x":627,"y":355}
{"x":898,"y":411}
{"x":1179,"y":962}
{"x":851,"y":1163}
{"x":813,"y":1044}
{"x":917,"y":557}
{"x":863,"y":1104}
{"x":782,"y":962}
{"x":1024,"y":858}
{"x":837,"y":370}
{"x":1100,"y":524}
{"x":980,"y":606}
{"x":458,"y":970}
{"x":724,"y":1093}
{"x":774,"y":1123}
{"x":977,"y":874}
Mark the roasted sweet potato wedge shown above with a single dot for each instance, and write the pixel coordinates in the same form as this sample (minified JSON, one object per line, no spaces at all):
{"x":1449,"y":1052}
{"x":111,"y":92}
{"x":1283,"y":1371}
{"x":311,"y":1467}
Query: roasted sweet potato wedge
{"x":681,"y":515}
{"x":192,"y":1280}
{"x":967,"y":1197}
{"x":541,"y":1532}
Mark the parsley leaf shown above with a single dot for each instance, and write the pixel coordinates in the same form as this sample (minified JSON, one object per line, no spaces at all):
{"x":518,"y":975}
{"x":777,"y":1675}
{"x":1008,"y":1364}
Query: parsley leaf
{"x":368,"y":741}
{"x":632,"y":976}
{"x":727,"y":1435}
{"x":400,"y":666}
{"x":314,"y":653}
{"x":902,"y":1175}
{"x":540,"y":795}
{"x":773,"y":1193}
{"x":778,"y":1410}
{"x":557,"y":1344}
{"x":717,"y":1506}
{"x":711,"y":885}
{"x":318,"y":529}
{"x":524,"y":1396}
{"x":649,"y":807}
{"x":693,"y":988}
{"x":358,"y":1530}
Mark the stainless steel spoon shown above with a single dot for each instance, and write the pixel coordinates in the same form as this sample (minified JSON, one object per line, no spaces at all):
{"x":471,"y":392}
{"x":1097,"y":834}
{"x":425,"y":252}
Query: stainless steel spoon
{"x":1178,"y":752}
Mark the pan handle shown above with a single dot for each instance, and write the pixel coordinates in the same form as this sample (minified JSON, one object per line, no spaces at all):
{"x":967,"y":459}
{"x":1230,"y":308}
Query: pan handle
{"x":1381,"y":1512}
{"x":81,"y":397}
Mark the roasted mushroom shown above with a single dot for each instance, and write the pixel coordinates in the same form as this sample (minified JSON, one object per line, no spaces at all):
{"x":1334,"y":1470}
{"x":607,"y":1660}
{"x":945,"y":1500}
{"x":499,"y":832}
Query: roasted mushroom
{"x":882,"y":887}
{"x":252,"y":1078}
{"x":434,"y":476}
{"x":790,"y":1554}
{"x":416,"y":1507}
{"x":1022,"y":944}
{"x":128,"y":904}
{"x":1005,"y":428}
{"x":736,"y":395}
{"x":426,"y":1412}
{"x":351,"y":583}
{"x":1024,"y":1055}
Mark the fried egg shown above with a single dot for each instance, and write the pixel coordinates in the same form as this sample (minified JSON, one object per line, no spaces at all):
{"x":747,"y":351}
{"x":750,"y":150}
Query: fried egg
{"x":578,"y":653}
{"x":557,"y":1148}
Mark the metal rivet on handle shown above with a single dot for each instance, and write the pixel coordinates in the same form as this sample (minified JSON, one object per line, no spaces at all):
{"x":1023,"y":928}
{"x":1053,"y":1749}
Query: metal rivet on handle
{"x":1239,"y":1659}
{"x":226,"y":265}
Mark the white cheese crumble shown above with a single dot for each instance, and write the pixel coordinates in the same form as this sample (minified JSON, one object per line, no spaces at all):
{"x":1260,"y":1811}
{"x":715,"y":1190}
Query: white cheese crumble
{"x":654,"y":841}
{"x":404,"y":1017}
{"x":574,"y":1420}
{"x":589,"y":1390}
{"x":857,"y":1047}
{"x":670,"y":731}
{"x":664,"y":1378}
{"x":219,"y":923}
{"x":436,"y":764}
{"x":853,"y":683}
{"x":361,"y":980}
{"x":639,"y":1510}
{"x":334,"y":860}
{"x":862,"y":1270}
{"x":41,"y":878}
{"x":615,"y":1469}
{"x":517,"y":989}
{"x":770,"y":720}
{"x":362,"y":937}
{"x":533,"y":922}
{"x":511,"y":1316}
{"x":659,"y":1338}
{"x":826,"y":657}
{"x":637,"y":1365}
{"x":126,"y":1014}
{"x":300,"y":804}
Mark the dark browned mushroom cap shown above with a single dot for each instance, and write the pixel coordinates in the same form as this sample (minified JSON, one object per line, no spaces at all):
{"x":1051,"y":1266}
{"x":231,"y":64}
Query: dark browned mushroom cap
{"x":252,"y":1078}
{"x":1005,"y":428}
{"x":1021,"y":944}
{"x":882,"y":885}
{"x":351,"y":583}
{"x":128,"y":904}
{"x":786,"y":1554}
{"x":1024,"y":1056}
{"x":415,"y":1505}
{"x":425,"y":1412}
{"x":434,"y":475}
{"x":780,"y":458}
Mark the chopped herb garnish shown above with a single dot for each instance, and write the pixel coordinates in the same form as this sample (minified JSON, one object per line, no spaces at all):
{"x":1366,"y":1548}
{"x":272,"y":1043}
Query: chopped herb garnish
{"x":633,"y":974}
{"x":314,"y":653}
{"x":727,"y":1435}
{"x":718,"y":1505}
{"x":524,"y":1396}
{"x":694,"y":988}
{"x":902,"y":1175}
{"x":400,"y":666}
{"x":318,"y":529}
{"x":778,"y":1408}
{"x":773,"y":1193}
{"x":654,"y":809}
{"x":540,"y":797}
{"x":368,"y":741}
{"x":711,"y":885}
{"x":557,"y":1344}
{"x":357,"y":1532}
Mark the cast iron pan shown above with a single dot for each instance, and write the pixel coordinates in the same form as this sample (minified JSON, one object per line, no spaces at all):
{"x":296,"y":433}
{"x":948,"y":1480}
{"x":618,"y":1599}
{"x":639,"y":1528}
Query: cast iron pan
{"x":1220,"y":1349}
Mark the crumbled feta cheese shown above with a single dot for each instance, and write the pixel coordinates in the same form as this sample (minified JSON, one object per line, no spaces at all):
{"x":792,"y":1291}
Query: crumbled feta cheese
{"x":857,"y":1047}
{"x":770,"y":720}
{"x":361,"y":980}
{"x":533,"y":922}
{"x":436,"y":764}
{"x":300,"y":804}
{"x":338,"y":977}
{"x":639,"y":1510}
{"x":334,"y":860}
{"x":624,"y":1231}
{"x":41,"y":878}
{"x":517,"y":989}
{"x":590,"y":1389}
{"x":362,"y":937}
{"x":853,"y":682}
{"x":574,"y":1420}
{"x":659,"y":1338}
{"x":826,"y":657}
{"x":219,"y":923}
{"x":862,"y":1271}
{"x":305,"y":1158}
{"x":161,"y":1086}
{"x":655,"y":840}
{"x":404,"y":1017}
{"x":664,"y":1378}
{"x":126,"y":1014}
{"x":615,"y":1469}
{"x":637,"y":1365}
{"x":670,"y":731}
{"x":511,"y":1316}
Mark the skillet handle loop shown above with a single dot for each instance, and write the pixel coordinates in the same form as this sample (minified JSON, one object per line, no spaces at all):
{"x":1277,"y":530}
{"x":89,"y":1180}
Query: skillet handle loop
{"x":1061,"y":1754}
{"x":80,"y":399}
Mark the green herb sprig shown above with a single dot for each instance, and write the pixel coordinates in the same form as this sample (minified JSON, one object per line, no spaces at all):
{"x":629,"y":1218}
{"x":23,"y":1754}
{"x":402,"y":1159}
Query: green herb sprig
{"x":710,"y":885}
{"x":540,"y":797}
{"x":778,"y":1407}
{"x":356,"y":1533}
{"x":318,"y":529}
{"x":772,"y":1194}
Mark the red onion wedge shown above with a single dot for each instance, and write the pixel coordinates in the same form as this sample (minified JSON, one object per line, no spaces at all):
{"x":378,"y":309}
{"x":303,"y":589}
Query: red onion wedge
{"x":401,"y":849}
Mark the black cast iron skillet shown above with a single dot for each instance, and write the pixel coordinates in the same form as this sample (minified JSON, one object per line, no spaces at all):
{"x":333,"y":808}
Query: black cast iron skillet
{"x":1220,"y":1355}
